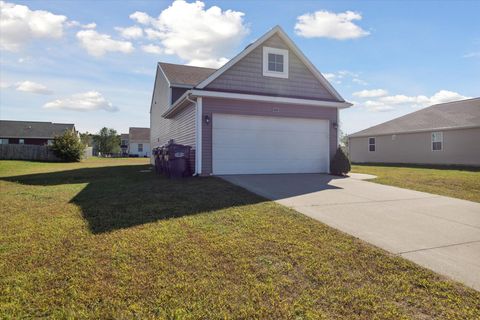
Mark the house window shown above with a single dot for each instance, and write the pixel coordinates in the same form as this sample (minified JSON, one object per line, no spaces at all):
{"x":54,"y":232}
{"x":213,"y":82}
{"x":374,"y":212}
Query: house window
{"x":3,"y":141}
{"x":275,"y":62}
{"x":21,"y":141}
{"x":140,"y":147}
{"x":437,"y":141}
{"x":371,"y":144}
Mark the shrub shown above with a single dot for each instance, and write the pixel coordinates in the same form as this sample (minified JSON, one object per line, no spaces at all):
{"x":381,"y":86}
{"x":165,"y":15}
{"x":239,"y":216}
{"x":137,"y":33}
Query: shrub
{"x":68,"y":147}
{"x":340,"y":164}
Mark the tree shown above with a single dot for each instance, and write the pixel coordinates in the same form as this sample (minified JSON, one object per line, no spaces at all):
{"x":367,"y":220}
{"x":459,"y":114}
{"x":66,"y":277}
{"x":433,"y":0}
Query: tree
{"x":107,"y":141}
{"x":340,"y":164}
{"x":87,"y":139}
{"x":68,"y":146}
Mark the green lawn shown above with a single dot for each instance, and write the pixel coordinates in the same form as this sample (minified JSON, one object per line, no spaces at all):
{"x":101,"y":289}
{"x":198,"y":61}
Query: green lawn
{"x":103,"y":239}
{"x":462,"y":183}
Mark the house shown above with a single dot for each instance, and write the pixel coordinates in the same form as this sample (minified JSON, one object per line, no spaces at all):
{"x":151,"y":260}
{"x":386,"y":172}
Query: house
{"x":268,"y":110}
{"x":124,"y":143}
{"x":447,"y":133}
{"x":31,"y":132}
{"x":139,"y":142}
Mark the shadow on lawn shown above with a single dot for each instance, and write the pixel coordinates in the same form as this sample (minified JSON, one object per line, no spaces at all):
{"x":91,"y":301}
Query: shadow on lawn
{"x":123,"y":196}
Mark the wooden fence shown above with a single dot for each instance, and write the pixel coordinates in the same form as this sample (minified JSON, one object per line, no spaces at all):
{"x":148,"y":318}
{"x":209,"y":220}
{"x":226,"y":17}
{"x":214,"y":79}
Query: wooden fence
{"x":26,"y":152}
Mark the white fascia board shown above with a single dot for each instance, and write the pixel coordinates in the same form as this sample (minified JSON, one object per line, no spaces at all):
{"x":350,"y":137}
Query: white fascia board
{"x":290,"y":43}
{"x":254,"y":97}
{"x":180,"y":85}
{"x":238,"y":57}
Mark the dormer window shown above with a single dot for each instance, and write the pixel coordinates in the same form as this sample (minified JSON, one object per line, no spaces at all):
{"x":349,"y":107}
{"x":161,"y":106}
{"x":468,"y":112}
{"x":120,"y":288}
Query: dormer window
{"x":275,"y":62}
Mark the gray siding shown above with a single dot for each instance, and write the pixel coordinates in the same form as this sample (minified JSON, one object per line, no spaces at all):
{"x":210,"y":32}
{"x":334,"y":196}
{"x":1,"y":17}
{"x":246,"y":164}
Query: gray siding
{"x":211,"y":105}
{"x":460,"y":147}
{"x":181,"y":128}
{"x":247,"y":76}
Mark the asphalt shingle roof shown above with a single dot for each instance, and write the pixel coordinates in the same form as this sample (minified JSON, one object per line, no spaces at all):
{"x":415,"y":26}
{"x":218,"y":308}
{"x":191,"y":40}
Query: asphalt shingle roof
{"x":185,"y":75}
{"x":139,"y":134}
{"x":457,"y":114}
{"x":32,"y":129}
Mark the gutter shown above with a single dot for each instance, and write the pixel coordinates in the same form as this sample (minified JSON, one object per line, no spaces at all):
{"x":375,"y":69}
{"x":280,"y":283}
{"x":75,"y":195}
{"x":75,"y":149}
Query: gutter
{"x":198,"y":133}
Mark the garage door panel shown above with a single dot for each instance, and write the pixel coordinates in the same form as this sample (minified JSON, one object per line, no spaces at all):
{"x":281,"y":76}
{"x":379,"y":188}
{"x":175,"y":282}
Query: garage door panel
{"x":254,"y":144}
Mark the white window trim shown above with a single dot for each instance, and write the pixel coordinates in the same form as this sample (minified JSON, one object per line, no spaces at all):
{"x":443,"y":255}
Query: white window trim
{"x":372,"y":144}
{"x":441,"y":140}
{"x":268,"y":73}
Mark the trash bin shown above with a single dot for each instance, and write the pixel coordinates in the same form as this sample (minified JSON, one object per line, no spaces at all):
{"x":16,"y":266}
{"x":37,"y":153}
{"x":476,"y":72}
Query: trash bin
{"x":177,"y":160}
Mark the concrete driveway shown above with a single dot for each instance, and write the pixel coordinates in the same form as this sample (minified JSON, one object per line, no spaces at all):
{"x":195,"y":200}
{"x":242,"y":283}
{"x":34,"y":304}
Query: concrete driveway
{"x":440,"y":233}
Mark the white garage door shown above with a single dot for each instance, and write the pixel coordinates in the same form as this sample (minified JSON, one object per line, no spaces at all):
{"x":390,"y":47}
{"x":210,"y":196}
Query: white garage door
{"x":252,"y":144}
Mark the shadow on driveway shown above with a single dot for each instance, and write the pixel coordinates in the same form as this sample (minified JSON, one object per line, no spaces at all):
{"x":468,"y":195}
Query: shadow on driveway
{"x":281,"y":186}
{"x":123,"y":196}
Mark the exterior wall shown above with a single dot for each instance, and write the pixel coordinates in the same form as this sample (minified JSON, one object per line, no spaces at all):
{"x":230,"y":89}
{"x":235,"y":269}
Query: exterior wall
{"x":133,"y":149}
{"x":460,"y":147}
{"x":212,"y":105}
{"x":246,"y":76}
{"x":181,"y":128}
{"x":177,"y":93}
{"x":34,"y":141}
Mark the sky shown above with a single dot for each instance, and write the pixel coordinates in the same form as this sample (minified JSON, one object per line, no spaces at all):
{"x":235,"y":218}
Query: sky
{"x":93,"y":63}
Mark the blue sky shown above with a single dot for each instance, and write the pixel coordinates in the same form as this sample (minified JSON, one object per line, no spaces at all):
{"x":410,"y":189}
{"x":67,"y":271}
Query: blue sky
{"x":389,"y":58}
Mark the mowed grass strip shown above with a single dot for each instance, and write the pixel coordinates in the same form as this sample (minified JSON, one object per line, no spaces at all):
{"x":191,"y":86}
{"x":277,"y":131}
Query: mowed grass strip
{"x":101,"y":239}
{"x":457,"y":182}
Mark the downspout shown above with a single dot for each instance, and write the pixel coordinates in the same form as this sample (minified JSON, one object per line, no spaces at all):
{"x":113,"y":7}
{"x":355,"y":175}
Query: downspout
{"x":198,"y":134}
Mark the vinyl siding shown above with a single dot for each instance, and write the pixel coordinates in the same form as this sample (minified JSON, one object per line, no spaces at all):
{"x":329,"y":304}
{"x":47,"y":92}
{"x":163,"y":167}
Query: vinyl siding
{"x":459,"y":147}
{"x":247,"y":76}
{"x":226,"y":106}
{"x":181,"y":128}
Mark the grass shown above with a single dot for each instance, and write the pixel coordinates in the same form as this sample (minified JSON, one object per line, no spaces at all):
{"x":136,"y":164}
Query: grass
{"x":457,"y":182}
{"x":102,"y":239}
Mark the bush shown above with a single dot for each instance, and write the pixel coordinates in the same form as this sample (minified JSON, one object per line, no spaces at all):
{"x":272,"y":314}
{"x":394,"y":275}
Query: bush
{"x":340,"y":164}
{"x":68,"y":147}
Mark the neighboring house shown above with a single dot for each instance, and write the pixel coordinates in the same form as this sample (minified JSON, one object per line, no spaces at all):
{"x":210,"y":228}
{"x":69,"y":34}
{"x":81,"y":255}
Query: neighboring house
{"x":447,"y":133}
{"x":31,"y":132}
{"x":268,"y":110}
{"x":124,"y":143}
{"x":139,"y":142}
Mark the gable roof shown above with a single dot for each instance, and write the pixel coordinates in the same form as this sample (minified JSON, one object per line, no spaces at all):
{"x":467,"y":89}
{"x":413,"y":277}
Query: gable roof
{"x":138,"y":134}
{"x":32,"y":129}
{"x":178,"y":74}
{"x":276,"y":30}
{"x":451,"y":115}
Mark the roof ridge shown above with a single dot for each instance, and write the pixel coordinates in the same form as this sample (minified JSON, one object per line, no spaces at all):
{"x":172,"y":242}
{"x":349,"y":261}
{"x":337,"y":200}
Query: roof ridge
{"x":185,"y":65}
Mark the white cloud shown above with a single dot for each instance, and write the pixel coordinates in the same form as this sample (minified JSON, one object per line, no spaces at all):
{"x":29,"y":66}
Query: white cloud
{"x":371,"y":93}
{"x":97,"y":44}
{"x":73,"y":23}
{"x":342,"y":75}
{"x":153,"y":49}
{"x":386,"y":103}
{"x":132,"y":32}
{"x":19,"y":24}
{"x":330,"y":25}
{"x":32,"y":87}
{"x":87,"y":101}
{"x":141,"y":17}
{"x":202,"y":37}
{"x":472,"y":55}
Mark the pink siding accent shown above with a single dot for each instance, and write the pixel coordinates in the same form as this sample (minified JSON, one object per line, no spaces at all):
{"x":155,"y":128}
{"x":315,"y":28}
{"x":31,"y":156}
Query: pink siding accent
{"x":214,"y":105}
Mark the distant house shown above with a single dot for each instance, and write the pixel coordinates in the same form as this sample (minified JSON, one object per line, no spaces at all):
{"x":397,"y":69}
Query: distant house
{"x":124,"y":143}
{"x":447,"y":133}
{"x":139,"y":142}
{"x":267,"y":110}
{"x":31,"y":132}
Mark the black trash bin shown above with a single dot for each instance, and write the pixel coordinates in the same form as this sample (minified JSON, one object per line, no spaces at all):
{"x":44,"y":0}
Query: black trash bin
{"x":177,"y":160}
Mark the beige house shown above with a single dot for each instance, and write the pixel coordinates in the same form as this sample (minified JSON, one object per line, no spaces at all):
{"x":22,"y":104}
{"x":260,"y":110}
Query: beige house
{"x":447,"y":133}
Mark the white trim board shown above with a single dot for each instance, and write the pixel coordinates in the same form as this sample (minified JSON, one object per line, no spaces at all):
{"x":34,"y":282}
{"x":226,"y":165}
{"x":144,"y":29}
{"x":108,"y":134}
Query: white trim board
{"x":276,"y":30}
